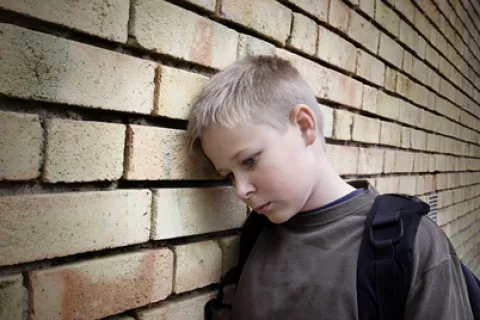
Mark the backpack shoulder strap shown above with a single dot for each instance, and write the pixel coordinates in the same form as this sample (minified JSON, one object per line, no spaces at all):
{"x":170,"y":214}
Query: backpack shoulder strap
{"x":385,"y":257}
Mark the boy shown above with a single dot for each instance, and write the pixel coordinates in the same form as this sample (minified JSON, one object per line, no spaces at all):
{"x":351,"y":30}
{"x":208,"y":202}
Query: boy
{"x":259,"y":124}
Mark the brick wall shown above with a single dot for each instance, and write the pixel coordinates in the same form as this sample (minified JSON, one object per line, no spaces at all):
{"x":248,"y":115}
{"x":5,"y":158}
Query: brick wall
{"x":102,"y":210}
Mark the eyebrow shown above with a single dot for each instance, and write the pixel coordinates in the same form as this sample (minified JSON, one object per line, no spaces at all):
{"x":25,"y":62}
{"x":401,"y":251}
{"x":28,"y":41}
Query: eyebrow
{"x":232,"y":158}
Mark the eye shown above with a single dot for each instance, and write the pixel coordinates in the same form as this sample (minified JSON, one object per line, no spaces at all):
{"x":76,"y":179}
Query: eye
{"x":250,"y":162}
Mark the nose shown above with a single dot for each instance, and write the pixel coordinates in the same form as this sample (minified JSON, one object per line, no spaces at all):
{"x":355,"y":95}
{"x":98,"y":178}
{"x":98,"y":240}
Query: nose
{"x":243,"y":187}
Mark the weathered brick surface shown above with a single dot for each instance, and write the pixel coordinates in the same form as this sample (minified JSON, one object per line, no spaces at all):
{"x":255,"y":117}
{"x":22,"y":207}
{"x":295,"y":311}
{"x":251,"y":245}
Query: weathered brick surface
{"x":46,"y":68}
{"x":342,"y":129}
{"x":184,"y":212}
{"x":51,"y":225}
{"x":366,"y":129}
{"x":176,"y":91}
{"x":387,"y":106}
{"x":404,"y":161}
{"x":83,"y":151}
{"x":106,"y":19}
{"x":343,"y":89}
{"x":11,"y":297}
{"x":370,"y":68}
{"x":339,"y":15}
{"x":368,"y":6}
{"x":387,"y":184}
{"x":389,"y":161}
{"x":390,"y":50}
{"x":335,"y":50}
{"x":248,"y":45}
{"x":369,"y":99}
{"x":304,"y":34}
{"x":205,"y":4}
{"x":390,"y":79}
{"x":21,"y":142}
{"x":363,"y":31}
{"x":344,"y":159}
{"x":370,"y":161}
{"x":327,"y":114}
{"x":319,"y":9}
{"x":230,"y":250}
{"x":197,"y":265}
{"x":188,"y":307}
{"x":408,"y":35}
{"x":252,"y":14}
{"x":163,"y":27}
{"x":387,"y":18}
{"x":161,"y":153}
{"x":390,"y":134}
{"x":408,"y":185}
{"x":97,"y":288}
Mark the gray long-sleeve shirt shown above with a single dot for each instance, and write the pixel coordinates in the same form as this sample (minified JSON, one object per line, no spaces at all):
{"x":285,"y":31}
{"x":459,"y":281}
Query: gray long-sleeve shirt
{"x":306,"y":268}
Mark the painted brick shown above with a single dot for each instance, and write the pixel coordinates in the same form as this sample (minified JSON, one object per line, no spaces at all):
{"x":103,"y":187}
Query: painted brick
{"x":11,"y":297}
{"x":327,"y":114}
{"x":387,"y":184}
{"x":104,"y":286}
{"x":387,"y":106}
{"x":406,"y":138}
{"x":176,"y":91}
{"x":407,"y":62}
{"x":314,"y":74}
{"x":252,"y":15}
{"x":21,"y":142}
{"x":335,"y":50}
{"x":342,"y":129}
{"x":339,"y":15}
{"x":389,"y":161}
{"x":230,"y":250}
{"x":408,"y":185}
{"x":363,"y":31}
{"x":46,"y":68}
{"x":390,"y":134}
{"x":407,"y":8}
{"x":369,"y":99}
{"x":106,"y":19}
{"x":45,"y":226}
{"x":408,"y":35}
{"x":370,"y":68}
{"x":304,"y":34}
{"x":188,"y":307}
{"x":419,"y":140}
{"x":165,"y":28}
{"x":319,"y":9}
{"x":404,"y":161}
{"x":205,"y":4}
{"x":370,"y":161}
{"x":185,"y":212}
{"x":390,"y":79}
{"x":343,"y":158}
{"x":248,"y":46}
{"x":197,"y":265}
{"x":368,"y":6}
{"x":390,"y":50}
{"x":343,"y":89}
{"x":421,"y":162}
{"x":160,"y":153}
{"x":83,"y":151}
{"x":404,"y":86}
{"x":366,"y":129}
{"x":387,"y":18}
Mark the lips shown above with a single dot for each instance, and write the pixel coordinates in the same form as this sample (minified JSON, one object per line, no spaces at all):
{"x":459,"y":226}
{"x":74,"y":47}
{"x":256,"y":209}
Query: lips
{"x":264,"y":208}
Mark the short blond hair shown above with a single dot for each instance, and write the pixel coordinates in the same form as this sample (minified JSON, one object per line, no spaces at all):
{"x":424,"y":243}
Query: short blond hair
{"x":254,"y":90}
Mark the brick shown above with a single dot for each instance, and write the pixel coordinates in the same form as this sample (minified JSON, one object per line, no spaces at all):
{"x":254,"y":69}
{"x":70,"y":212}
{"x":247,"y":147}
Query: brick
{"x":404,"y":86}
{"x":104,"y":286}
{"x":432,"y":142}
{"x":252,"y":15}
{"x":369,"y":99}
{"x":406,"y":138}
{"x":304,"y":34}
{"x":387,"y":106}
{"x":390,"y":50}
{"x":188,"y":211}
{"x":248,"y":46}
{"x":83,"y":151}
{"x":205,"y":4}
{"x":342,"y":129}
{"x":387,"y":184}
{"x":368,"y":6}
{"x":163,"y":154}
{"x":335,"y":50}
{"x":407,"y":62}
{"x":339,"y":15}
{"x":390,"y":134}
{"x":387,"y":18}
{"x":230,"y":250}
{"x":44,"y":226}
{"x":410,"y":114}
{"x":408,"y":185}
{"x":419,"y":140}
{"x":443,"y":66}
{"x":407,"y":8}
{"x":370,"y":161}
{"x":370,"y":68}
{"x":404,"y":161}
{"x":165,"y":28}
{"x":105,"y":19}
{"x":46,"y":68}
{"x":432,"y":55}
{"x":343,"y":158}
{"x":389,"y":161}
{"x":327,"y":114}
{"x":419,"y":70}
{"x":21,"y":142}
{"x":421,"y":162}
{"x":366,"y":129}
{"x":188,"y":307}
{"x":314,"y":74}
{"x":433,"y":80}
{"x":11,"y":297}
{"x":408,"y":35}
{"x":343,"y":89}
{"x":176,"y":91}
{"x":363,"y":31}
{"x":319,"y":9}
{"x":197,"y":265}
{"x":420,"y":94}
{"x":390,"y":79}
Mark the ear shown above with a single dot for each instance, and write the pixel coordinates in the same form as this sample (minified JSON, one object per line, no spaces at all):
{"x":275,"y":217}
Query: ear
{"x":302,"y":117}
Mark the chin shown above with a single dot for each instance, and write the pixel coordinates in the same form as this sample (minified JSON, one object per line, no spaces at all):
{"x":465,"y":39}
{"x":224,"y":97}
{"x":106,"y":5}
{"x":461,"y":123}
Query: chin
{"x":278,"y":218}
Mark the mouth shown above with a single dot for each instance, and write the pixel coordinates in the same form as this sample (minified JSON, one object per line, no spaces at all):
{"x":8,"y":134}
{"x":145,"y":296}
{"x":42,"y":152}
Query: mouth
{"x":263,"y":209}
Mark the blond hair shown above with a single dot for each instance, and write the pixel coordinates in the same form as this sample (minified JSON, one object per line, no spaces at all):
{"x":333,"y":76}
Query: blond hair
{"x":254,"y":90}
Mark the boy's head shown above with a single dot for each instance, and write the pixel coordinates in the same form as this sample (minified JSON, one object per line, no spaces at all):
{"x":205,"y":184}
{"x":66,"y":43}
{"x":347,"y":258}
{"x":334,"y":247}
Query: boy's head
{"x":258,"y":122}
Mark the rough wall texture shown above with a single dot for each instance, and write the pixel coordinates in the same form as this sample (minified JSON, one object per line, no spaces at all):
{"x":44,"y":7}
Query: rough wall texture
{"x":102,"y":211}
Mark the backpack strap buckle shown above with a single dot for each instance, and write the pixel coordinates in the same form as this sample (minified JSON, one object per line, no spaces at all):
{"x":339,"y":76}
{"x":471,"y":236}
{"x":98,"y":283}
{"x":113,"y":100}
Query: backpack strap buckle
{"x":382,"y":222}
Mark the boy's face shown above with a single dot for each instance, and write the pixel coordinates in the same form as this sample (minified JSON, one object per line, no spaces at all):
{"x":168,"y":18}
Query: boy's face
{"x":271,"y":171}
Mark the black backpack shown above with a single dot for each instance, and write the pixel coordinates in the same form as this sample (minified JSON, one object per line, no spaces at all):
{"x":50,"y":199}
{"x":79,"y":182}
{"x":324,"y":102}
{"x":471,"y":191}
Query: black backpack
{"x":384,"y":260}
